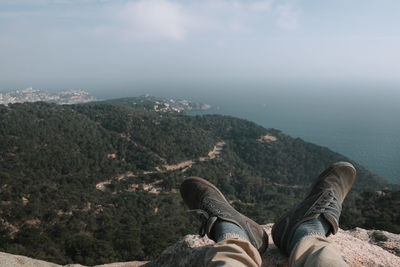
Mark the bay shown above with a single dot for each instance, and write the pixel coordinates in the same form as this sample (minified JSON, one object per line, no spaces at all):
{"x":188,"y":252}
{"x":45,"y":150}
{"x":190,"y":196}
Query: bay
{"x":364,"y":127}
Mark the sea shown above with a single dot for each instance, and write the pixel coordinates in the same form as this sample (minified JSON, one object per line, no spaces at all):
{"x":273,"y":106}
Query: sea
{"x":362,"y":124}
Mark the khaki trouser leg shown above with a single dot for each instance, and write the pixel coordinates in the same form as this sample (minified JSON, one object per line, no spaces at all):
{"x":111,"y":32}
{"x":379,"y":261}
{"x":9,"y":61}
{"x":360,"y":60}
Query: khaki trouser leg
{"x":317,"y":251}
{"x":233,"y":251}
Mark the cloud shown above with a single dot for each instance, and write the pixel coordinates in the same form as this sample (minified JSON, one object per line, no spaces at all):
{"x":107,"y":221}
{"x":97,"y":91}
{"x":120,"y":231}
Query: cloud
{"x":287,"y":17}
{"x":261,"y":6}
{"x":149,"y":20}
{"x":153,"y":20}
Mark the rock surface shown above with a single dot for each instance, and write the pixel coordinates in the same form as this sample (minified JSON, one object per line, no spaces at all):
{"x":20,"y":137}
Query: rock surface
{"x":359,"y":247}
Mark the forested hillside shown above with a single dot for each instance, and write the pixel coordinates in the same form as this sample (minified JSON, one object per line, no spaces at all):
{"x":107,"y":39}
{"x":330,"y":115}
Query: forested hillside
{"x":97,"y":183}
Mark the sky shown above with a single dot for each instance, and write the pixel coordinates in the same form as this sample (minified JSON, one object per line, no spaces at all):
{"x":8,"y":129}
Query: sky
{"x":327,"y":71}
{"x":98,"y":44}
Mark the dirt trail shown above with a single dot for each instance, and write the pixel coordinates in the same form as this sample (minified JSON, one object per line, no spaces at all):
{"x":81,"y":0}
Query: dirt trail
{"x":184,"y":166}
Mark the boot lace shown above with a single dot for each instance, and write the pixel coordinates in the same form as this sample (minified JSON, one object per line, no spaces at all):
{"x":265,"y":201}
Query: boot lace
{"x":328,"y":204}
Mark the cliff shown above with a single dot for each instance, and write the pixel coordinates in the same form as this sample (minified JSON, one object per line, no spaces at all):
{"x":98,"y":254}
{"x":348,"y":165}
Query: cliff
{"x":359,"y":247}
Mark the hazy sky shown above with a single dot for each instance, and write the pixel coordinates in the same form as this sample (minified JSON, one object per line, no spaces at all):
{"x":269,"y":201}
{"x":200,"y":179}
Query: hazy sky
{"x":97,"y":43}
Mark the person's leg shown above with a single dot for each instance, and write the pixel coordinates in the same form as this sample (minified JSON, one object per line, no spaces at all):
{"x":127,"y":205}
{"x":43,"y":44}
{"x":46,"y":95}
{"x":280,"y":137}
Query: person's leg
{"x":316,"y":250}
{"x":233,"y":250}
{"x":310,"y":247}
{"x":301,"y":233}
{"x":239,"y":239}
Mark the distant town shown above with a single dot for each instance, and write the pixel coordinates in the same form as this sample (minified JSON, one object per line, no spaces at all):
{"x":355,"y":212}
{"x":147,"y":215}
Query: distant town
{"x":149,"y":102}
{"x":175,"y":105}
{"x":33,"y":95}
{"x":73,"y":96}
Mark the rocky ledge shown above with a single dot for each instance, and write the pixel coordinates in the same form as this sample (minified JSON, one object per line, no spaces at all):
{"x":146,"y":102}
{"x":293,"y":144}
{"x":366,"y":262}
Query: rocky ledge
{"x":359,"y":247}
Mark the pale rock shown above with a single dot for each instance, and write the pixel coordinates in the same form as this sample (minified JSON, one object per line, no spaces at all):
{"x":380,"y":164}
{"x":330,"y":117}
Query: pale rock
{"x":359,"y":247}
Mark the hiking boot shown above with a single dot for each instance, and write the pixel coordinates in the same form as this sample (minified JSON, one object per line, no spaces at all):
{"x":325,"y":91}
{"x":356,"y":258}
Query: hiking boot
{"x":210,"y":204}
{"x":324,"y":199}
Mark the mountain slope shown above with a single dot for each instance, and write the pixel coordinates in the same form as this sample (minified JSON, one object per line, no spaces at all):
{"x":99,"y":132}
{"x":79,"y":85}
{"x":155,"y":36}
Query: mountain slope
{"x":52,"y":157}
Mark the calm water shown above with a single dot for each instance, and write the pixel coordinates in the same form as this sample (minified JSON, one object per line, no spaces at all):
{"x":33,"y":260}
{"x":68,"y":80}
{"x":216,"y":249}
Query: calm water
{"x":365,"y":128}
{"x":363,"y":125}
